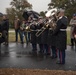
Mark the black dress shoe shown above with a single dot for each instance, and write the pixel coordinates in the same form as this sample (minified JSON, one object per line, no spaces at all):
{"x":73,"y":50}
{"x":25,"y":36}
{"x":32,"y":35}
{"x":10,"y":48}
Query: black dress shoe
{"x":53,"y":57}
{"x":6,"y":44}
{"x":34,"y":53}
{"x":40,"y":52}
{"x":60,"y":63}
{"x":22,"y":42}
{"x":48,"y":53}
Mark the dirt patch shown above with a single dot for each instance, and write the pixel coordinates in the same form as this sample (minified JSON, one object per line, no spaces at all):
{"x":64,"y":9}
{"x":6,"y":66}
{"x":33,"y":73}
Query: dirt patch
{"x":35,"y":72}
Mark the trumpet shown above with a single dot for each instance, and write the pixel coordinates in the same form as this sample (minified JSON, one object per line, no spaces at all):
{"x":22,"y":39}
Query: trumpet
{"x":27,"y":28}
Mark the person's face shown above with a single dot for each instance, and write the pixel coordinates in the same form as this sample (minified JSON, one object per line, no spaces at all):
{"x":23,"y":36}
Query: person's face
{"x":16,"y":18}
{"x":29,"y":18}
{"x":40,"y":20}
{"x":24,"y":22}
{"x":60,"y":14}
{"x":4,"y":17}
{"x":74,"y":17}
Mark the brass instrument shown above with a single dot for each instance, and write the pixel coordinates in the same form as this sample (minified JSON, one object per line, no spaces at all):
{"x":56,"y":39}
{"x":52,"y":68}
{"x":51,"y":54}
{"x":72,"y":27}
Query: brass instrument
{"x":0,"y":34}
{"x":27,"y":28}
{"x":40,"y":31}
{"x":51,"y":12}
{"x":51,"y":23}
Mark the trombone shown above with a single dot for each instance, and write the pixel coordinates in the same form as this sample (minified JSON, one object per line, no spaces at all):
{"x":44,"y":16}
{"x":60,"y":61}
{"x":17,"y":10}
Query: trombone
{"x":50,"y":24}
{"x":40,"y":31}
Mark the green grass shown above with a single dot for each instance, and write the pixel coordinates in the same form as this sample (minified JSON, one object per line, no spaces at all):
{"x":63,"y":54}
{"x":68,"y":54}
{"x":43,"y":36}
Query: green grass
{"x":12,"y":37}
{"x":68,"y":38}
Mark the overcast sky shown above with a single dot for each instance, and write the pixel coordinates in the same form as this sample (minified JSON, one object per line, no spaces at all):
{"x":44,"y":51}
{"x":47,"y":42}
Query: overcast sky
{"x":38,"y":5}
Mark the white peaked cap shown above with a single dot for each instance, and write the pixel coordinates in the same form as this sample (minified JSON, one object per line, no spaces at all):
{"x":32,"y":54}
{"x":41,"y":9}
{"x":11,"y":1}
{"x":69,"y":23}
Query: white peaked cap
{"x":61,"y":10}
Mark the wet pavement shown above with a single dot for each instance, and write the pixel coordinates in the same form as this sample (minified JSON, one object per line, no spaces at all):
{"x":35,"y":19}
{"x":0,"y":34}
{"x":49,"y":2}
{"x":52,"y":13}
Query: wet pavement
{"x":16,"y":55}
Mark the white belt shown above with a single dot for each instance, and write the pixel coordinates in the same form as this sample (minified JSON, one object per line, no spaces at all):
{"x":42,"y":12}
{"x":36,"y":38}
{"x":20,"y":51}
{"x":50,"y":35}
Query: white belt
{"x":33,"y":30}
{"x":36,"y":30}
{"x":62,"y":29}
{"x":50,"y":28}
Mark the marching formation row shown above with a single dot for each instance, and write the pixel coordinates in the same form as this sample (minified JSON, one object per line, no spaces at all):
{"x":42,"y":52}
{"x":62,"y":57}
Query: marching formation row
{"x":48,"y":33}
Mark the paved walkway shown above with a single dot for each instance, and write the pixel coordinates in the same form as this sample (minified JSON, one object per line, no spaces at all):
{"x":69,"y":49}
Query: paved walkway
{"x":19,"y":56}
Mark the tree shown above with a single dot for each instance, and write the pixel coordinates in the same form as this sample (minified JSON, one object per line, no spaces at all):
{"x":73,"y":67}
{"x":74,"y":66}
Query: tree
{"x":17,"y":9}
{"x":68,"y":5}
{"x":11,"y":15}
{"x":19,"y":6}
{"x":42,"y":13}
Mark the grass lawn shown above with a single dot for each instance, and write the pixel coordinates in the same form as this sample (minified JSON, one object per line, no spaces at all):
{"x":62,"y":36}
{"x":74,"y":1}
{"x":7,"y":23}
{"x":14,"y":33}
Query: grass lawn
{"x":68,"y":38}
{"x":12,"y":37}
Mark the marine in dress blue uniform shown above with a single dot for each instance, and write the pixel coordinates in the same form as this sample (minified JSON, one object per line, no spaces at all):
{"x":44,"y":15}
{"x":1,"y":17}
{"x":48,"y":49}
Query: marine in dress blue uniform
{"x":61,"y":36}
{"x":33,"y":37}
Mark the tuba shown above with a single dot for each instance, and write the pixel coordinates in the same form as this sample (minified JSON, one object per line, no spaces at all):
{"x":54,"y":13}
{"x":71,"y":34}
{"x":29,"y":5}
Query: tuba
{"x":52,"y":14}
{"x":52,"y":22}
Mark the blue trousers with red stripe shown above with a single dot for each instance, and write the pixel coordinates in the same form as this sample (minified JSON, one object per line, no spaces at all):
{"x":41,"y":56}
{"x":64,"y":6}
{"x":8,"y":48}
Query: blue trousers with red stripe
{"x":46,"y":48}
{"x":34,"y":47}
{"x":61,"y":56}
{"x":54,"y":51}
{"x":41,"y":48}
